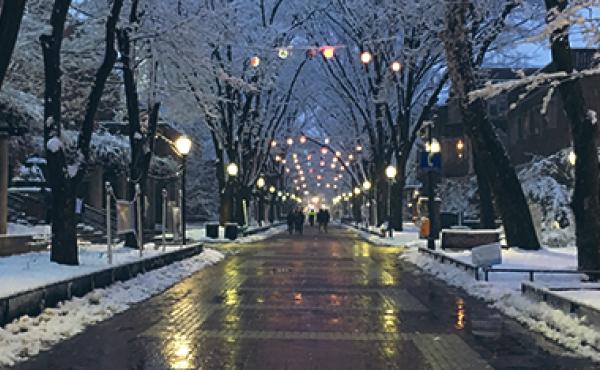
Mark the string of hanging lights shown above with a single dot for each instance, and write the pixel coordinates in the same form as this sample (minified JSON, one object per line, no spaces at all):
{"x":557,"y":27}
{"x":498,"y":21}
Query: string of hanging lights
{"x":327,"y":51}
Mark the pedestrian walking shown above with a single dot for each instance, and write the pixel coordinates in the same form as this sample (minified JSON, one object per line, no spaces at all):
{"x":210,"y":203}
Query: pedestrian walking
{"x":311,"y":217}
{"x":326,"y":219}
{"x":299,"y":221}
{"x":291,"y":220}
{"x":321,"y":220}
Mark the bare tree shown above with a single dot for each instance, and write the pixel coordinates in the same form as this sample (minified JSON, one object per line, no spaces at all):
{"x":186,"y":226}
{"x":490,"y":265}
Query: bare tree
{"x":11,"y":15}
{"x":501,"y":175}
{"x":584,"y":131}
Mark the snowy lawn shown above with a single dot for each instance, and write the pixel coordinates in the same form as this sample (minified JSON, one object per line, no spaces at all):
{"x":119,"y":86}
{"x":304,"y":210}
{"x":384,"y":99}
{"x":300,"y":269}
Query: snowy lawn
{"x":27,"y":336}
{"x":587,"y":297}
{"x":543,"y":259}
{"x":20,"y":229}
{"x":32,"y":270}
{"x":503,"y":293}
{"x":23,"y":272}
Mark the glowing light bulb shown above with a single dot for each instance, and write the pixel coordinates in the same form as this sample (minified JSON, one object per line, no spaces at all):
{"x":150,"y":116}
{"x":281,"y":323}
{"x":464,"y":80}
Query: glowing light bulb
{"x":366,"y":57}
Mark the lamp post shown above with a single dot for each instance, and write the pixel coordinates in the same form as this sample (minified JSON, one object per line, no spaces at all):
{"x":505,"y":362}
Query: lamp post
{"x":433,"y":148}
{"x":260,"y":184}
{"x":183,"y":144}
{"x":390,"y":173}
{"x":232,"y":171}
{"x":366,"y":186}
{"x":272,"y":191}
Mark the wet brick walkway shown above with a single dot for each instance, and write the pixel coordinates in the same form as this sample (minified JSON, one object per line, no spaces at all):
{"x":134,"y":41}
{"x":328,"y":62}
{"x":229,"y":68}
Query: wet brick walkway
{"x":309,"y":302}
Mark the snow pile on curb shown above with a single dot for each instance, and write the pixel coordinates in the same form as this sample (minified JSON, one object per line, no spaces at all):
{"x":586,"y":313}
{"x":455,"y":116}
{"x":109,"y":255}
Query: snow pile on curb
{"x":27,"y":336}
{"x":568,"y":330}
{"x":407,"y":238}
{"x":199,"y":234}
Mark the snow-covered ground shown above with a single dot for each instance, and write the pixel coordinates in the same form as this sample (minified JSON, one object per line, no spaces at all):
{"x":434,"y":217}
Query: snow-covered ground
{"x":27,"y":336}
{"x":32,"y":270}
{"x":198,"y":233}
{"x":587,"y":297}
{"x":20,"y":229}
{"x":503,"y":293}
{"x":400,"y":238}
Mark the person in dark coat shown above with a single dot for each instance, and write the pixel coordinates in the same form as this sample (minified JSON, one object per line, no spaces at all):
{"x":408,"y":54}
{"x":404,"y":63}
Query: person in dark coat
{"x":326,"y":219}
{"x":291,"y":220}
{"x":299,"y":221}
{"x":323,"y":219}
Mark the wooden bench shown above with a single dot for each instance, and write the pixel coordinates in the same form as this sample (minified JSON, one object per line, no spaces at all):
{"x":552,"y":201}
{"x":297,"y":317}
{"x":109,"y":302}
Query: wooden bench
{"x":468,"y":239}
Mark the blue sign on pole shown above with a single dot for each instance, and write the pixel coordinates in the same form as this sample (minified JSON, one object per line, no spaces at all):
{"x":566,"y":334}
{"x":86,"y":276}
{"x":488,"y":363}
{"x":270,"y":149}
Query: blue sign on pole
{"x":430,"y":161}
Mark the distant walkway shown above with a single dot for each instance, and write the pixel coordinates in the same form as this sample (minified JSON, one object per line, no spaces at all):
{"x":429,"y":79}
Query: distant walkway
{"x":316,"y":301}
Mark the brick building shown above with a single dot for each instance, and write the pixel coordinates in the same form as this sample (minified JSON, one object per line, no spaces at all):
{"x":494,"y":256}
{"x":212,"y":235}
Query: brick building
{"x":520,"y":123}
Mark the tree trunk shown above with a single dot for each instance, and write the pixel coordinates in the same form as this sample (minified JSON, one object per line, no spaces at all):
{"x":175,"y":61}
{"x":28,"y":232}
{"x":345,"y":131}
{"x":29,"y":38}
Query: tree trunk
{"x":10,"y":22}
{"x":135,"y":133}
{"x":586,"y":195}
{"x":64,"y":233}
{"x":397,"y":196}
{"x":487,"y":217}
{"x":227,"y":205}
{"x":506,"y":188}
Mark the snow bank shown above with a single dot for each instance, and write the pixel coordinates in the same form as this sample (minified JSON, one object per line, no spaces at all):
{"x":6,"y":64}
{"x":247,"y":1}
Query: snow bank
{"x":27,"y":336}
{"x":503,"y":293}
{"x":198,"y":233}
{"x":407,"y":238}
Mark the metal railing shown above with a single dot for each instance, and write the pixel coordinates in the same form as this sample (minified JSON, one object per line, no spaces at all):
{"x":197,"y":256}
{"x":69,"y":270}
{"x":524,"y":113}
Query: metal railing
{"x":486,"y":270}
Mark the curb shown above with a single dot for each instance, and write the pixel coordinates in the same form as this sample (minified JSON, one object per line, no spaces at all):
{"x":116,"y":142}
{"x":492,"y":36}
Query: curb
{"x":364,"y":229}
{"x":568,"y":306}
{"x":34,"y":301}
{"x":261,"y":229}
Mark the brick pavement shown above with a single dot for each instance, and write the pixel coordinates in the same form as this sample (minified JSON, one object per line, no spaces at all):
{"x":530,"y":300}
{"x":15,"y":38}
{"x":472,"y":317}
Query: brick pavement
{"x":308,"y":302}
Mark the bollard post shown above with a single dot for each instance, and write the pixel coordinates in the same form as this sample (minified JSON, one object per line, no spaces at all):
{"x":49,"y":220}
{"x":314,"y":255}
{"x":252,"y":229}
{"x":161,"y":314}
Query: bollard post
{"x":108,"y":189}
{"x":164,"y":220}
{"x":140,"y":237}
{"x":181,"y":220}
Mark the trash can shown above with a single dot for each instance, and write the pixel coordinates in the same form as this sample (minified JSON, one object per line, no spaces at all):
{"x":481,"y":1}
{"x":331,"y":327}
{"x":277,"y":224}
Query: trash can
{"x":425,"y":228}
{"x":231,"y":231}
{"x":212,"y":231}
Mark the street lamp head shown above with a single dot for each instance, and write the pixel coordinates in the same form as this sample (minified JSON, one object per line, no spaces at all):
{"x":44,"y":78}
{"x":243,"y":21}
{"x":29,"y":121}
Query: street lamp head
{"x":366,"y":185}
{"x":391,"y":172}
{"x":272,"y":189}
{"x":433,"y":146}
{"x":260,"y":183}
{"x":183,"y":144}
{"x":232,"y":169}
{"x":572,"y":158}
{"x":366,"y":57}
{"x":357,"y":190}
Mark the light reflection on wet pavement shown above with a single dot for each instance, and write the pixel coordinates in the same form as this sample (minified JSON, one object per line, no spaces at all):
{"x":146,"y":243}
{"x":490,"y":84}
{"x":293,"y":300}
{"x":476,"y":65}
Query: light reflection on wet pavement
{"x":309,"y":302}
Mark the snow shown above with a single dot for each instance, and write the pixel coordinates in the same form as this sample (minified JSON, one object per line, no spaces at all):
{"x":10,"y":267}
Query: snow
{"x":404,"y":238}
{"x":32,"y":270}
{"x":593,"y":116}
{"x":502,"y":292}
{"x":19,"y":229}
{"x":27,"y":336}
{"x":587,"y":297}
{"x":54,"y":144}
{"x":198,"y":233}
